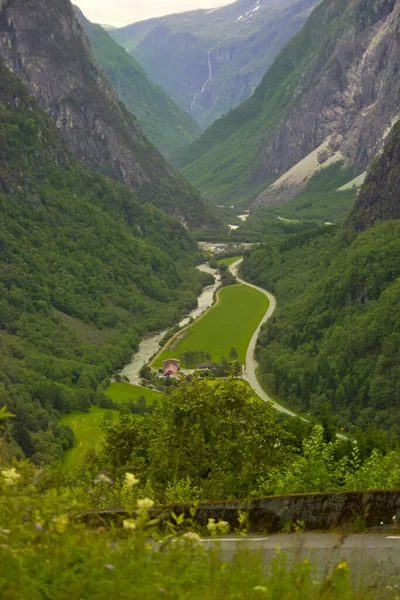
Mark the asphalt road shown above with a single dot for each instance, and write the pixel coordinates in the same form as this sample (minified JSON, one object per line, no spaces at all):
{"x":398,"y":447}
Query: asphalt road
{"x":251,"y":365}
{"x":369,"y":556}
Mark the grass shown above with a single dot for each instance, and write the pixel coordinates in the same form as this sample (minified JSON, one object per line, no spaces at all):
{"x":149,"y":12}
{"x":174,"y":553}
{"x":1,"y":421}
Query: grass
{"x":228,"y":261}
{"x":124,"y":392}
{"x":87,"y":430}
{"x":87,"y":426}
{"x":229,"y":324}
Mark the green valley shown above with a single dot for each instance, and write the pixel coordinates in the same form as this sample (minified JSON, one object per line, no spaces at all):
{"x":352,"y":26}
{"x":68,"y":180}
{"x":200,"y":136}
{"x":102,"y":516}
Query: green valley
{"x":229,"y":324}
{"x":166,"y":125}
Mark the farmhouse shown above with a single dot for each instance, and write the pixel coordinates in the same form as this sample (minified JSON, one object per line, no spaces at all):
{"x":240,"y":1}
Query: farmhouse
{"x":171,"y":367}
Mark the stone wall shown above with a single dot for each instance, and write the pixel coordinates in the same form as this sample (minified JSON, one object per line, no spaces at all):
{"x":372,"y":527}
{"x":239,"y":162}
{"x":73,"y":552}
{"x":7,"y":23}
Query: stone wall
{"x":325,"y":511}
{"x":317,"y":511}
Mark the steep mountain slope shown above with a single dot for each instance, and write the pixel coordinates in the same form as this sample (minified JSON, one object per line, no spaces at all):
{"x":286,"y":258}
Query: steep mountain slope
{"x":85,"y":270}
{"x":332,"y":94}
{"x":211,"y":60}
{"x":380,"y":196}
{"x":334,"y":343}
{"x":166,"y":125}
{"x":43,"y":43}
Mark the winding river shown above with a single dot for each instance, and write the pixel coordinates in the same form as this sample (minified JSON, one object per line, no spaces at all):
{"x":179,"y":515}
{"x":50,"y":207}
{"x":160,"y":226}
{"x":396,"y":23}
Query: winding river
{"x":151,"y":345}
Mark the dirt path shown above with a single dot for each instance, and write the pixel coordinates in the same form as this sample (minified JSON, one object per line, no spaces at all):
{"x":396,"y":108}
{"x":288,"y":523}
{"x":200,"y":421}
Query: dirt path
{"x":251,"y":365}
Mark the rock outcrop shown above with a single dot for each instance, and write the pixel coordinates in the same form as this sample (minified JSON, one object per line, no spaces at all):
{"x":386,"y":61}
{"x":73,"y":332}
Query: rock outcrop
{"x":379,"y":198}
{"x":44,"y":45}
{"x":352,"y":103}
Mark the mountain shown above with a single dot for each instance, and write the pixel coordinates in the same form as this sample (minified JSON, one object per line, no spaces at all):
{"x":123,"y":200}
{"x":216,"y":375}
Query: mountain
{"x":331,"y":95}
{"x":211,"y":60}
{"x":166,"y":125}
{"x":380,"y":195}
{"x":85,"y":270}
{"x":44,"y":45}
{"x":333,"y":346}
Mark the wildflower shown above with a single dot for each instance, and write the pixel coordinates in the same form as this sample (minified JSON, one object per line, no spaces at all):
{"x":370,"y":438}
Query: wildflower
{"x":211,"y":525}
{"x":60,"y":523}
{"x":38,"y":526}
{"x":260,"y":588}
{"x":394,"y":518}
{"x":10,"y":476}
{"x":110,"y":567}
{"x":191,"y":536}
{"x":130,"y":480}
{"x":103,"y":479}
{"x":129,"y":524}
{"x":343,"y":566}
{"x":145,"y":503}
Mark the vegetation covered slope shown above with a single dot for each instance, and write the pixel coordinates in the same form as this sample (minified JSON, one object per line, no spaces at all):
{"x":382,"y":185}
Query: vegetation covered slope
{"x":211,"y":60}
{"x":85,"y":271}
{"x":44,"y":44}
{"x":166,"y":125}
{"x":334,"y":342}
{"x":335,"y":83}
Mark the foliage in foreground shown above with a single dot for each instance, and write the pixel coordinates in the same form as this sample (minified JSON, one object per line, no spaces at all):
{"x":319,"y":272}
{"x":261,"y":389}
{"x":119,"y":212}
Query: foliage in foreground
{"x":45,"y":553}
{"x":221,"y":442}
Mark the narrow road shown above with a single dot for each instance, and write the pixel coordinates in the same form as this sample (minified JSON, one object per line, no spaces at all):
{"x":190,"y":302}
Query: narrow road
{"x":251,"y":365}
{"x":365,"y":553}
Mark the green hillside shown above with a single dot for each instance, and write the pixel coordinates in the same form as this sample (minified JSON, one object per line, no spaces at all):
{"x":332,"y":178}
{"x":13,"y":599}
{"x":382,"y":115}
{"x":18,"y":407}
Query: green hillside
{"x":85,"y":271}
{"x":334,"y":342}
{"x":166,"y":125}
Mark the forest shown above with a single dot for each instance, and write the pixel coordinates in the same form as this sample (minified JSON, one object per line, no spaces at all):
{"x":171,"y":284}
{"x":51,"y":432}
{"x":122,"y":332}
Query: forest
{"x":85,"y":271}
{"x":333,"y":343}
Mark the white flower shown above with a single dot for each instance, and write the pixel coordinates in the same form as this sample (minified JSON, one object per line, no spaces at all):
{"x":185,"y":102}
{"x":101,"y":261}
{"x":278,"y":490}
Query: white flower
{"x":145,"y":503}
{"x":11,"y":476}
{"x":130,"y":480}
{"x":103,"y":479}
{"x":192,"y":536}
{"x":129,"y":524}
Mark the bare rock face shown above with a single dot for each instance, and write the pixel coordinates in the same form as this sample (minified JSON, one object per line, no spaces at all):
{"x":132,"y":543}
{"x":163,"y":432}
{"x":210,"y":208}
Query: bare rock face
{"x":350,"y":96}
{"x":44,"y":45}
{"x":379,"y":198}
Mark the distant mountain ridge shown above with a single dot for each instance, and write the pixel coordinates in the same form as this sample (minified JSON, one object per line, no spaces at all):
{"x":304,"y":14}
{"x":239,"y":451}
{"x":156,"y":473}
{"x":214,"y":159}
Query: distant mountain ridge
{"x":44,"y":45}
{"x":331,"y":95}
{"x":166,"y":125}
{"x":211,"y":60}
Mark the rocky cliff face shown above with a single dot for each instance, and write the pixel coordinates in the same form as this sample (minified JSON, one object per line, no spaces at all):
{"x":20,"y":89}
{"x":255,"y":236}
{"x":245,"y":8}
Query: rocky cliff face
{"x":379,"y":198}
{"x":44,"y":45}
{"x":345,"y":109}
{"x":331,"y":95}
{"x":209,"y":61}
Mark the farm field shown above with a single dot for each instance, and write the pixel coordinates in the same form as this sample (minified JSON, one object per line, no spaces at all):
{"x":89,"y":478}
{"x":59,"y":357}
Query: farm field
{"x":228,"y":261}
{"x":229,"y":324}
{"x":123,"y":392}
{"x":87,"y":426}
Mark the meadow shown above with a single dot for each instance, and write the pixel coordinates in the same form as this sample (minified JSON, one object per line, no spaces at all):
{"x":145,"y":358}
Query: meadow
{"x":87,"y":426}
{"x":229,"y":324}
{"x":228,"y":261}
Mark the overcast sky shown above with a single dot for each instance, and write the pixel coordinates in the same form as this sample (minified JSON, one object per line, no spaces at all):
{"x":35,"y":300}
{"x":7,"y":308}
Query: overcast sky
{"x":124,"y":12}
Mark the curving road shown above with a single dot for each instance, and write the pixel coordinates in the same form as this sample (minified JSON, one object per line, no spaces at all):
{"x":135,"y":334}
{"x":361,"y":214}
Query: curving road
{"x":251,"y":365}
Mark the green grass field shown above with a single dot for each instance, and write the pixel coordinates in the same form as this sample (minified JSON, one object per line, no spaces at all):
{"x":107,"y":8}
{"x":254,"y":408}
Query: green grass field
{"x":87,"y":426}
{"x":229,"y":324}
{"x":228,"y":261}
{"x":87,"y":429}
{"x":123,"y":392}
